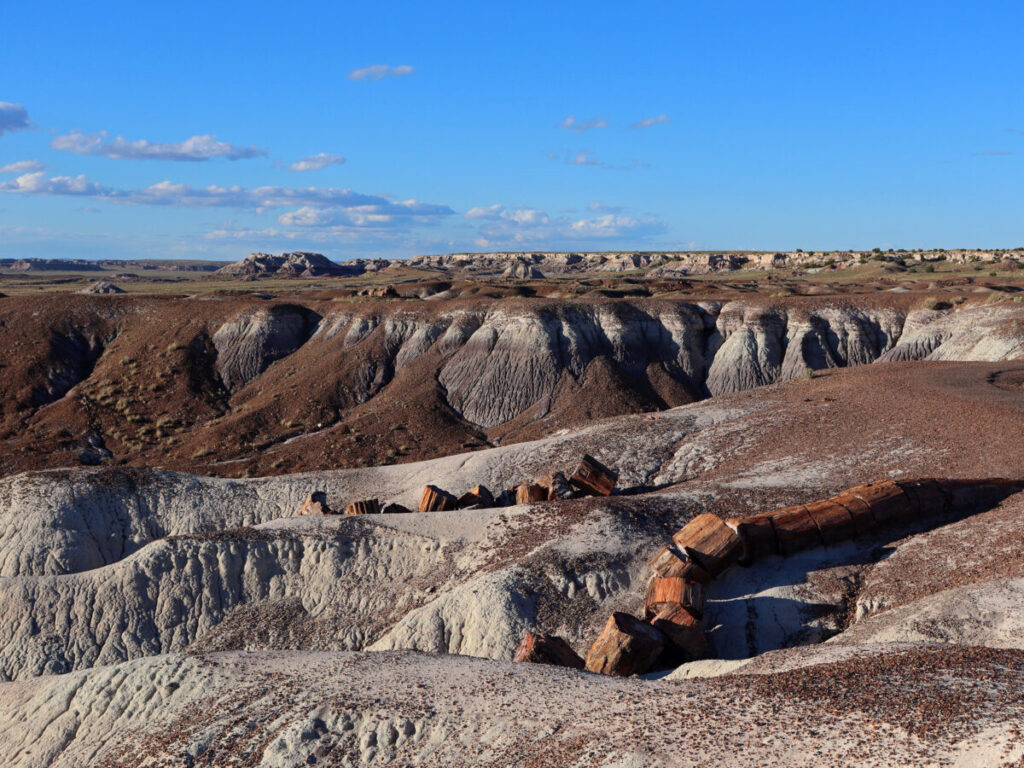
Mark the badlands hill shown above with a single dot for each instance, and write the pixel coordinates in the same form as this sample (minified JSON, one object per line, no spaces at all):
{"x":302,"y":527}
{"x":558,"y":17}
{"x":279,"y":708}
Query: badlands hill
{"x":163,"y":602}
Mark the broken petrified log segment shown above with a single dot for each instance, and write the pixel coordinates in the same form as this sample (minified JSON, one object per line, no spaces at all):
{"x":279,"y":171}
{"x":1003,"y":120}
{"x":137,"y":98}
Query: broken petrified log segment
{"x":547,"y":649}
{"x":834,"y":521}
{"x":436,"y":500}
{"x":395,"y":509}
{"x":662,"y":592}
{"x":860,"y":512}
{"x":477,"y":496}
{"x":889,"y":504}
{"x":708,"y":540}
{"x":506,"y":498}
{"x":528,"y":493}
{"x":926,"y":497}
{"x":795,"y":530}
{"x":557,"y":486}
{"x":316,"y":504}
{"x":683,"y":631}
{"x":626,"y":646}
{"x":758,"y":536}
{"x":672,"y":562}
{"x":593,"y":478}
{"x":365,"y":507}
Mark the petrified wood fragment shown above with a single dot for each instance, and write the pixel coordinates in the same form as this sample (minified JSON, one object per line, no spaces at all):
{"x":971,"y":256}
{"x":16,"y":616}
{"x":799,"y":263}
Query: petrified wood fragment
{"x":671,"y":561}
{"x":663,"y":591}
{"x":365,"y":507}
{"x":557,"y":486}
{"x":860,"y":512}
{"x":477,"y":496}
{"x":626,"y":646}
{"x":709,"y":541}
{"x":758,"y":535}
{"x":926,"y":497}
{"x":593,"y":478}
{"x":889,"y":504}
{"x":834,"y":521}
{"x":547,"y":649}
{"x":528,"y":493}
{"x":436,"y":500}
{"x":315,"y":504}
{"x":395,"y":509}
{"x":795,"y":530}
{"x":683,"y":631}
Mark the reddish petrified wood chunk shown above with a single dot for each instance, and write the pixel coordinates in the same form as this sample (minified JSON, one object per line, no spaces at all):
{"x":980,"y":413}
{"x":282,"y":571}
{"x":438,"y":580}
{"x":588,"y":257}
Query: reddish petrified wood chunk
{"x":758,"y":536}
{"x":547,"y":649}
{"x":477,"y":496}
{"x":626,"y":646}
{"x":671,"y":590}
{"x":709,"y":541}
{"x":926,"y":496}
{"x":671,"y":561}
{"x":593,"y":478}
{"x":436,"y":500}
{"x":834,"y":521}
{"x":889,"y":504}
{"x":860,"y":512}
{"x":315,"y":504}
{"x":795,"y":530}
{"x":365,"y":507}
{"x":557,"y":486}
{"x":683,"y":631}
{"x":528,"y":493}
{"x":395,"y":509}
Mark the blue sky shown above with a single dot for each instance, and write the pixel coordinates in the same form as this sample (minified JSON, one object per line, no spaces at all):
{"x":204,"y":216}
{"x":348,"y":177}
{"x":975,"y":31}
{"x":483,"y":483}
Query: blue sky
{"x":209,"y":130}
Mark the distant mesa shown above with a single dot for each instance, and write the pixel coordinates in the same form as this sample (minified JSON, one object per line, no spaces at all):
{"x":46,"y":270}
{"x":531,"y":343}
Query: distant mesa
{"x":51,"y":265}
{"x":101,"y":287}
{"x":299,"y":264}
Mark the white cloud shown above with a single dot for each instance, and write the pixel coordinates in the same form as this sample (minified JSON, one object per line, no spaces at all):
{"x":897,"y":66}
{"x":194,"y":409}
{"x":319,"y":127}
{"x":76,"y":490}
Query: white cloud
{"x":379,"y":72}
{"x":579,"y":126}
{"x":13,"y":117}
{"x":598,"y":207}
{"x":524,"y":227}
{"x":193,"y":149}
{"x":22,"y":166}
{"x":647,"y":122}
{"x":316,"y":207}
{"x":316,"y":162}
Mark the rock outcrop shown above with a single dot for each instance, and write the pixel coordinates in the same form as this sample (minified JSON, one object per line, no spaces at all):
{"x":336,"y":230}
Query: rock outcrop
{"x":101,"y":287}
{"x":297,"y":264}
{"x":249,"y":343}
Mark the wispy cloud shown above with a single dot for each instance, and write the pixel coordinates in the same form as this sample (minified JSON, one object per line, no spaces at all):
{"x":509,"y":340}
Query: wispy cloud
{"x":316,"y":162}
{"x":598,"y":207}
{"x":193,"y":149}
{"x":581,"y":126}
{"x":500,"y":226}
{"x":316,"y":206}
{"x":648,"y":122}
{"x":22,"y":166}
{"x":13,"y":117}
{"x":586,"y":157}
{"x":379,"y":72}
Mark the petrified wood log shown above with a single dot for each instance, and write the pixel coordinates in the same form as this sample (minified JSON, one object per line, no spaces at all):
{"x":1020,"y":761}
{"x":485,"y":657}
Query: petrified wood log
{"x":663,"y":591}
{"x":758,"y":535}
{"x":709,"y":541}
{"x":860,"y":512}
{"x":795,"y":530}
{"x":626,"y":646}
{"x":557,"y":486}
{"x":365,"y":507}
{"x":436,"y":500}
{"x":547,"y":649}
{"x":593,"y":478}
{"x":315,"y":504}
{"x":926,"y":497}
{"x":395,"y":509}
{"x":671,"y":561}
{"x":477,"y":496}
{"x":834,"y":521}
{"x":683,"y":631}
{"x":889,"y":504}
{"x":528,"y":493}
